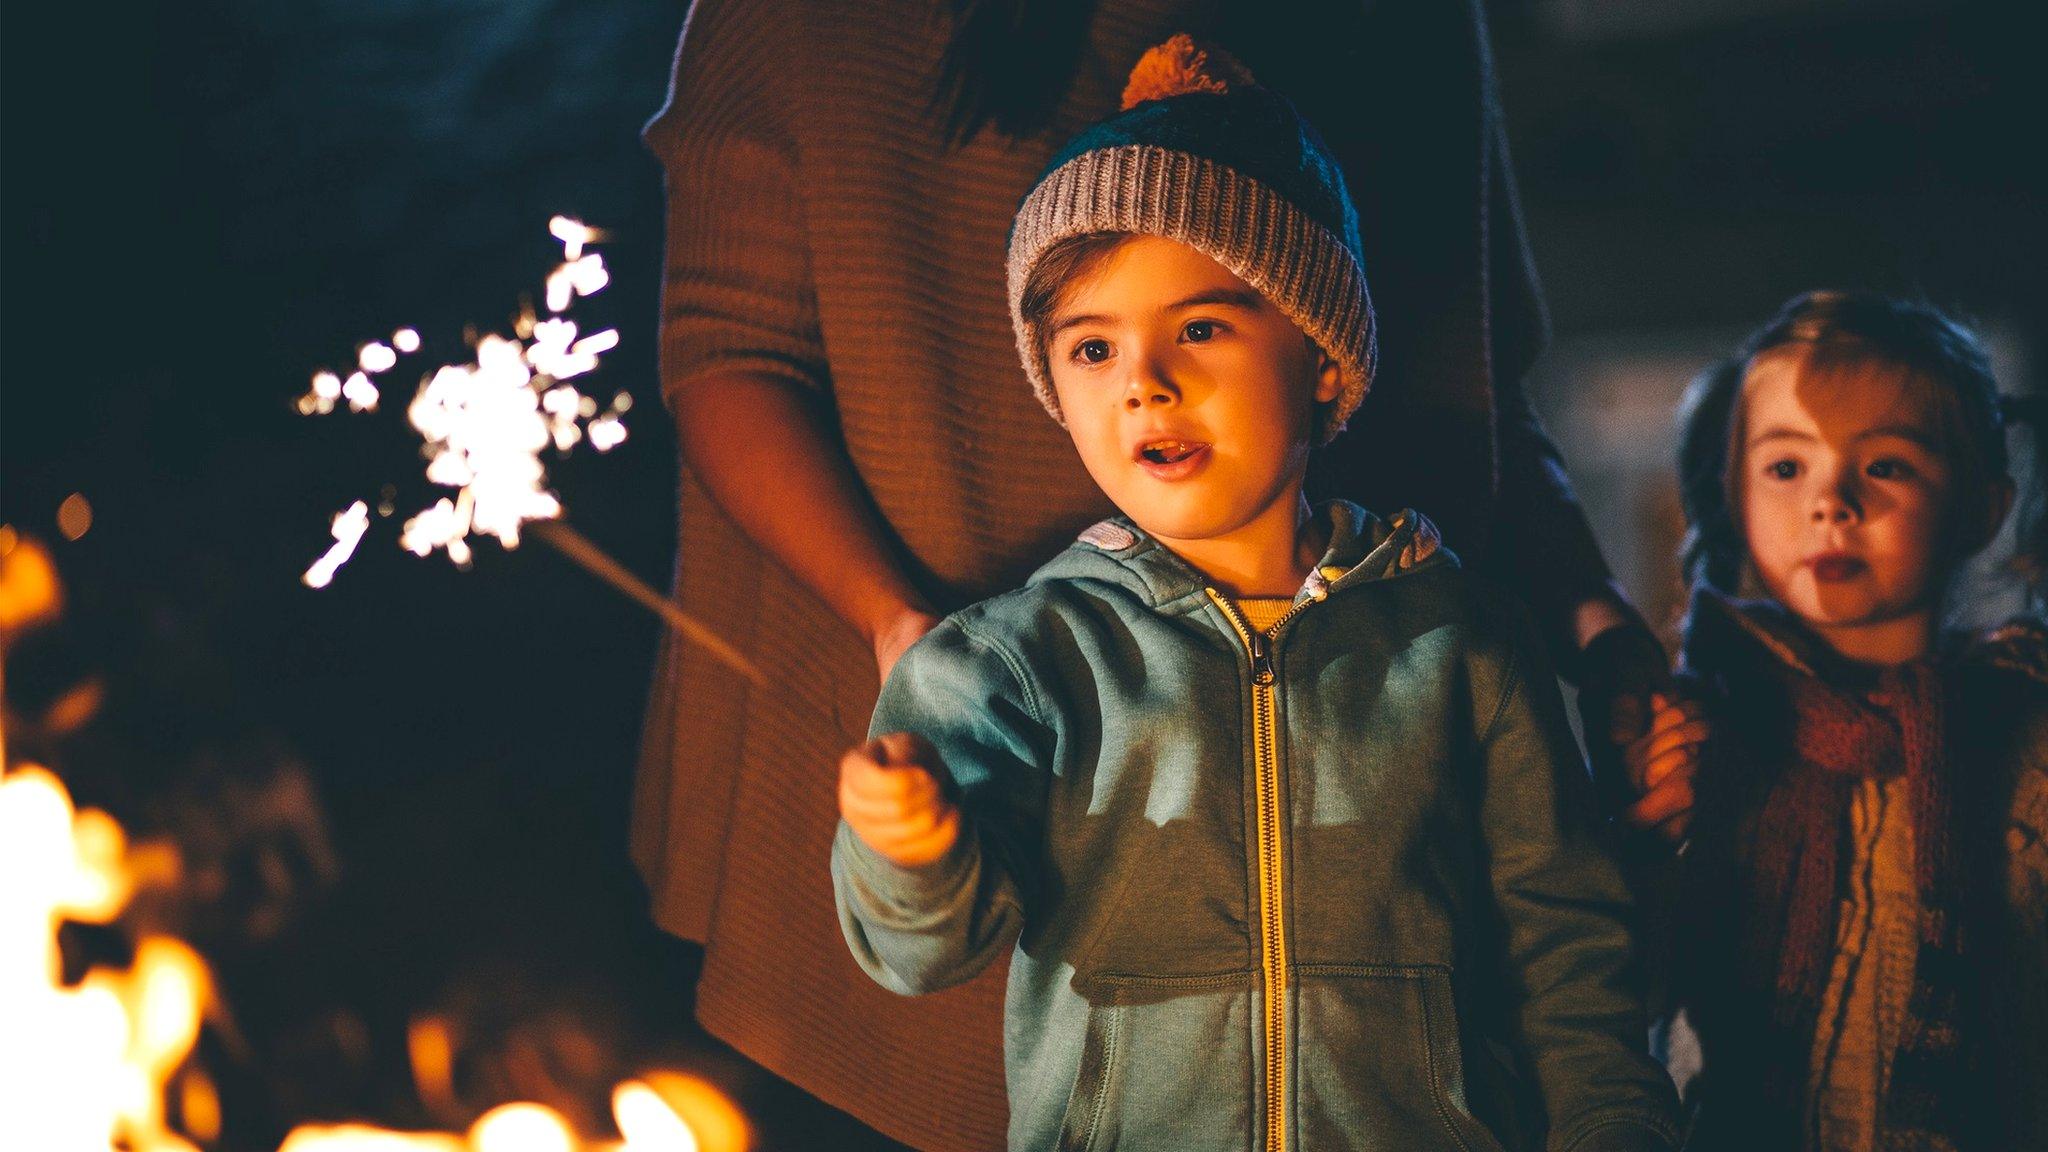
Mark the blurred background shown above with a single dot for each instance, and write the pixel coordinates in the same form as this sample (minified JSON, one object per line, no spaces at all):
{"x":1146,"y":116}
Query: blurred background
{"x":403,"y":797}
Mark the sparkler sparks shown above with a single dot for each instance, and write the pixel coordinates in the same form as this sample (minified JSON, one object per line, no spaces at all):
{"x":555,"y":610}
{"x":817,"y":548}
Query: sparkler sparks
{"x":485,"y":423}
{"x":349,"y":527}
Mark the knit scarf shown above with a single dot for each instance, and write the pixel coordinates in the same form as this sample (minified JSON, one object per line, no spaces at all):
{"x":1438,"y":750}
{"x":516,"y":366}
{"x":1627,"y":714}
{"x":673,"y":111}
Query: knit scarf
{"x":1840,"y":737}
{"x":1804,"y":730}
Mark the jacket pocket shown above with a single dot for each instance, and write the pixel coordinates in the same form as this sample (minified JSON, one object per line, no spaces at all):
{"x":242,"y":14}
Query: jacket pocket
{"x":1166,"y":1064}
{"x":1378,"y":1062}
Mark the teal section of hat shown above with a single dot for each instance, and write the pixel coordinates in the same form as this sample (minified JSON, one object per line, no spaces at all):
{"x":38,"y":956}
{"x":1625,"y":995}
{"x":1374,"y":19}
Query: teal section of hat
{"x":1238,"y":176}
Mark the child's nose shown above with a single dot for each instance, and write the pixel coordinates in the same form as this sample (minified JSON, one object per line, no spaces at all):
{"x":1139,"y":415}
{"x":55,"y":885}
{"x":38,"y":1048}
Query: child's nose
{"x":1837,"y":504}
{"x":1148,"y":385}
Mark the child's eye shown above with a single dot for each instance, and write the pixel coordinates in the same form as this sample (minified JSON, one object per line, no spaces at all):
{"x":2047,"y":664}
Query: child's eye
{"x":1092,"y":351}
{"x":1889,"y":470}
{"x":1782,"y":469}
{"x":1199,"y":331}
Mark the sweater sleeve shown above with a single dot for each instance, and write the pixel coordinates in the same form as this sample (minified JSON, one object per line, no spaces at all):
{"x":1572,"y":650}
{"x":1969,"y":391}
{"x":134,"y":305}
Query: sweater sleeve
{"x":922,"y":929}
{"x":1563,"y":912}
{"x":737,"y":290}
{"x":1542,"y":544}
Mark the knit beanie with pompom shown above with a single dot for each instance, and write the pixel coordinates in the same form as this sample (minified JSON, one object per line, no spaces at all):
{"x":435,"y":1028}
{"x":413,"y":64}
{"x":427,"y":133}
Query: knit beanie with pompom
{"x":1202,"y":154}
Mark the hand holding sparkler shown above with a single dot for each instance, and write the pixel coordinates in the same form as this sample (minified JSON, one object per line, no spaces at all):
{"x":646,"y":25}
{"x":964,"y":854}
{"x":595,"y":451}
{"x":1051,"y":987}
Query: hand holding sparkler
{"x":485,"y":424}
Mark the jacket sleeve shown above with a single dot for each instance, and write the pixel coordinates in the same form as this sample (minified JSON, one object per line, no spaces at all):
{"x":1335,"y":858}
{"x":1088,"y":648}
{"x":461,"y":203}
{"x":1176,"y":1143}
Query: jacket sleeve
{"x":1563,"y":919}
{"x":922,"y":929}
{"x":737,"y":290}
{"x":1541,"y":543}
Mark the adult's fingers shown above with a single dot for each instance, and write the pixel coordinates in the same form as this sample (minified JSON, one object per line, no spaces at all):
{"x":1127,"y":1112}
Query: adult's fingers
{"x":1628,"y":715}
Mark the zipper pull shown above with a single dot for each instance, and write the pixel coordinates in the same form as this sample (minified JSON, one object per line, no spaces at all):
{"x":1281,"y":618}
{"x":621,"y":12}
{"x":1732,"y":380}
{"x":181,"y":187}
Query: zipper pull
{"x":1262,"y":660}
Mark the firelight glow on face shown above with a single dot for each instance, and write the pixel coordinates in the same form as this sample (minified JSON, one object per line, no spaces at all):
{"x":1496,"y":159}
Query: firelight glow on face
{"x":1189,"y":396}
{"x":1843,"y":499}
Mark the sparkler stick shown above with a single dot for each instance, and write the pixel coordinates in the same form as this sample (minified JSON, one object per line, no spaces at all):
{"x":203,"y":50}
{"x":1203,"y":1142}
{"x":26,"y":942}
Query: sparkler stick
{"x":577,"y":547}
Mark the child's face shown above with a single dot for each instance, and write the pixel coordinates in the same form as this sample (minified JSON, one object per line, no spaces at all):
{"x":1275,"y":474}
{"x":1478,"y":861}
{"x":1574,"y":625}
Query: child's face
{"x":1190,"y":397}
{"x":1844,"y":499}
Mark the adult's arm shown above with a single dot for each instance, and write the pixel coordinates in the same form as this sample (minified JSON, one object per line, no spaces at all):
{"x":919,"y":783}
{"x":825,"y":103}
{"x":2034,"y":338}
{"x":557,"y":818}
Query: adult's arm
{"x":1542,"y":539}
{"x":1542,"y":543}
{"x":743,"y":360}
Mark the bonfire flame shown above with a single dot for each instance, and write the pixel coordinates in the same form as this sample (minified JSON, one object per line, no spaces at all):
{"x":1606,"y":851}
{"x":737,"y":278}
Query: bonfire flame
{"x":82,"y":1068}
{"x":88,"y":1068}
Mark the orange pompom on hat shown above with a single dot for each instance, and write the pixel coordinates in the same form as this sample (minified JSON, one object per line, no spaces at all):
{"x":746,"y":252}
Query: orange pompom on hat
{"x":1202,"y":154}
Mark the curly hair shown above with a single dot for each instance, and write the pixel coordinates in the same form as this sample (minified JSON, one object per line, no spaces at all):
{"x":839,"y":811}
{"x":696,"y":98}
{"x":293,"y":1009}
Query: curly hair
{"x":1941,"y":363}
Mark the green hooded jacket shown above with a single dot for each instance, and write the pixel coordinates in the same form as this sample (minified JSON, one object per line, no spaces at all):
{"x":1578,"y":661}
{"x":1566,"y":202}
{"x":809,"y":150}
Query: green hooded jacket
{"x":1332,"y":887}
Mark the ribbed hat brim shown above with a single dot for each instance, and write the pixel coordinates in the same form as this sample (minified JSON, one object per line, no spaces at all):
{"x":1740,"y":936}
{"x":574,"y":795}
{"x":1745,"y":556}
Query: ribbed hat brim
{"x":1264,"y":240}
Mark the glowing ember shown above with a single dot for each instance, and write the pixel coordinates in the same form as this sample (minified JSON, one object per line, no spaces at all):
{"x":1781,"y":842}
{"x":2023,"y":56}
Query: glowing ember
{"x":647,"y":1122}
{"x":485,"y":424}
{"x":74,"y":516}
{"x":349,"y":526}
{"x":522,"y":1128}
{"x":364,"y":1138}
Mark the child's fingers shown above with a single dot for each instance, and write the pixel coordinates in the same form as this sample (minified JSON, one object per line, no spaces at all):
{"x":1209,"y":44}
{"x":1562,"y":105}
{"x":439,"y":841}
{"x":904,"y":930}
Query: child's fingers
{"x":1675,"y":828}
{"x":928,"y":844}
{"x":1689,"y":734}
{"x":1684,"y":758}
{"x":886,"y":791}
{"x":1668,"y":713}
{"x":902,"y":750}
{"x":1661,"y":804}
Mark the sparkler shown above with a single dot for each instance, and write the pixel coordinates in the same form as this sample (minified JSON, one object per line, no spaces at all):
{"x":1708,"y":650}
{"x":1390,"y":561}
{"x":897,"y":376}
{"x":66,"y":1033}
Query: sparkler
{"x":485,"y":424}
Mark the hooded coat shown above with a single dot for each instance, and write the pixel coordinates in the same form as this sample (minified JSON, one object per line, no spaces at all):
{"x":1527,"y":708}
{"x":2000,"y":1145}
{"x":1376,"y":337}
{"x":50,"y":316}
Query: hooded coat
{"x":1327,"y":887}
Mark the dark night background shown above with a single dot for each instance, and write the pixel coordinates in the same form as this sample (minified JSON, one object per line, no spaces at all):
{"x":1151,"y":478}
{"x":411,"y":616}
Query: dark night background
{"x":204,"y":203}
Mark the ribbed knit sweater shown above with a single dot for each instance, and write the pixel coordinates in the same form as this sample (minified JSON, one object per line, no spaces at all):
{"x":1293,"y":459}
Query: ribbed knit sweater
{"x":821,"y":231}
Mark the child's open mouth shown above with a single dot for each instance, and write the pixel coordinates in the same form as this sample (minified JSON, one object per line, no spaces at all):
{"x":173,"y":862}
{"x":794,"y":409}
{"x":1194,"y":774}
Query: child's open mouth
{"x":1169,"y":451}
{"x":1171,"y":459}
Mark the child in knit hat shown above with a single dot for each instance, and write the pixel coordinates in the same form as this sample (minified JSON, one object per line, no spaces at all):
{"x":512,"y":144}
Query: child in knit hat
{"x":1274,"y":809}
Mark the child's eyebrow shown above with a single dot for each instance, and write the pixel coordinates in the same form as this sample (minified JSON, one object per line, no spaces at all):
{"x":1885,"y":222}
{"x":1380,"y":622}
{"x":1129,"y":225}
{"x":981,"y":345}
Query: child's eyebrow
{"x":1911,"y":433}
{"x":1770,"y":434}
{"x":1244,"y":298}
{"x":1062,"y":323}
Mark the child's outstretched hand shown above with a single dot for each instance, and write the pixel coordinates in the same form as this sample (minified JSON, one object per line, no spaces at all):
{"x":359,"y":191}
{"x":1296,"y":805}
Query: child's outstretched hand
{"x":889,"y":794}
{"x":1661,"y":765}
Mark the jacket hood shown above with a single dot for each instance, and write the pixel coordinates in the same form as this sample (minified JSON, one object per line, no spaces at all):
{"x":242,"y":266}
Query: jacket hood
{"x":1723,"y":633}
{"x":1363,"y":548}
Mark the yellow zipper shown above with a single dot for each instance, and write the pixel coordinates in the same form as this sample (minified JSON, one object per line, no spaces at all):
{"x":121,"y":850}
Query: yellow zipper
{"x":1271,"y":860}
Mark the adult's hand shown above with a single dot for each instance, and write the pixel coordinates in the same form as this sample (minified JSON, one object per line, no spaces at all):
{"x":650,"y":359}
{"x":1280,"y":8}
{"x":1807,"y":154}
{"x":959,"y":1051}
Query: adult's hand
{"x":768,"y":452}
{"x":893,"y":639}
{"x":1622,"y":667}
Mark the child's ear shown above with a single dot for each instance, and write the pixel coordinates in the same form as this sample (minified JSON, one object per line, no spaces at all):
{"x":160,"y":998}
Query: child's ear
{"x":1329,"y":377}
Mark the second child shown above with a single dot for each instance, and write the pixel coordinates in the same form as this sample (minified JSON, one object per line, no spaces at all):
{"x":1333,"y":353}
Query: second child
{"x":1862,"y":909}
